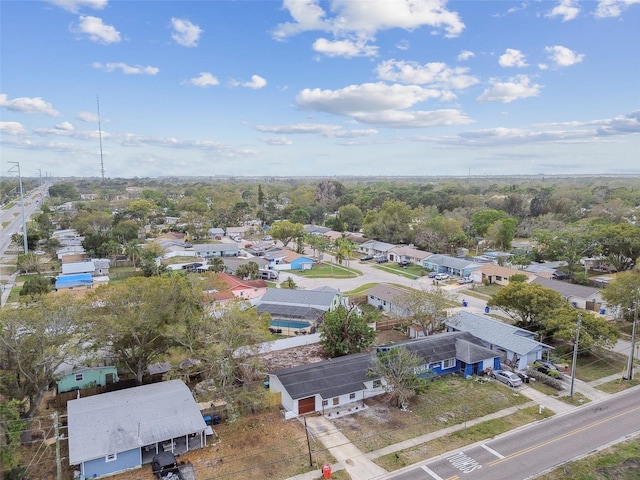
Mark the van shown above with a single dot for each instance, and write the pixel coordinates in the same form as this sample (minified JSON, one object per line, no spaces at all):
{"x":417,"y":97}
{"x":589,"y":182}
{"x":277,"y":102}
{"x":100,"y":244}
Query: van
{"x":266,"y":274}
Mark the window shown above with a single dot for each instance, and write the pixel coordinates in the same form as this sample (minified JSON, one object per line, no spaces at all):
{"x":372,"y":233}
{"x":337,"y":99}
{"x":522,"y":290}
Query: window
{"x":79,"y":377}
{"x":352,"y":396}
{"x":111,"y":457}
{"x":325,"y":403}
{"x":336,"y":400}
{"x":449,"y":363}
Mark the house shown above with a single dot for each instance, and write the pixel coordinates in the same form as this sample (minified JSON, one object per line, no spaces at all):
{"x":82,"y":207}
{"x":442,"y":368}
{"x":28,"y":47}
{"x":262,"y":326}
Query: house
{"x":373,"y":247}
{"x":231,"y":264}
{"x":216,"y":232}
{"x":548,"y":269}
{"x":122,"y":430}
{"x":78,"y":267}
{"x":330,"y":384}
{"x":495,"y":274}
{"x":296,"y":312}
{"x":285,"y":259}
{"x":345,"y":382}
{"x":239,"y":288}
{"x":86,"y":377}
{"x":388,"y":298}
{"x":70,"y":250}
{"x":447,"y":353}
{"x":516,"y":346}
{"x":580,"y":296}
{"x":407,"y":253}
{"x":453,"y":266}
{"x":74,"y":280}
{"x":211,"y":250}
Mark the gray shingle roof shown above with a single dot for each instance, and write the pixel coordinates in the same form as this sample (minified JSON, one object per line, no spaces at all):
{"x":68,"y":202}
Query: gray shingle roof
{"x":450,"y":262}
{"x":567,"y":289}
{"x":495,"y":332}
{"x":119,"y":421}
{"x":460,"y":345}
{"x":321,"y":299}
{"x":388,"y":293}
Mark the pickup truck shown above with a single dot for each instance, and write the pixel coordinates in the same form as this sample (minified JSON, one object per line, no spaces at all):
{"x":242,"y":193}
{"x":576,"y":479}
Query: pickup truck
{"x":165,"y":467}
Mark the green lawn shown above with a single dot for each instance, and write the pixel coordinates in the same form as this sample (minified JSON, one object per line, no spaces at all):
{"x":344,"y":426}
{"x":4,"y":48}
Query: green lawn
{"x":328,"y":270}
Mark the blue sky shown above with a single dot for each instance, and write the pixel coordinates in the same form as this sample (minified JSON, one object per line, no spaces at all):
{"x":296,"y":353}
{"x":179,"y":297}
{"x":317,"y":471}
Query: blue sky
{"x":314,"y":88}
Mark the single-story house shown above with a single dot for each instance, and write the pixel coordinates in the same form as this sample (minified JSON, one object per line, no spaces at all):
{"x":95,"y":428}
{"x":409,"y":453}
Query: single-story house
{"x":316,"y":229}
{"x":516,"y":346}
{"x":408,"y":253}
{"x":231,"y":264}
{"x":453,"y":266}
{"x":239,"y":288}
{"x":285,"y":259}
{"x":345,"y":382}
{"x":69,"y":250}
{"x":388,"y":298}
{"x":216,"y":232}
{"x":86,"y":377}
{"x":548,"y":269}
{"x":78,"y":267}
{"x":85,"y":280}
{"x":495,"y":274}
{"x":580,"y":296}
{"x":374,"y":247}
{"x":210,"y":250}
{"x":117,"y":431}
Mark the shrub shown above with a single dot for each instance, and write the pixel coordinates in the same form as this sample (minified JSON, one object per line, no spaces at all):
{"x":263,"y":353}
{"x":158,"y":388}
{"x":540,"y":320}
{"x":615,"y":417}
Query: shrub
{"x":544,"y":378}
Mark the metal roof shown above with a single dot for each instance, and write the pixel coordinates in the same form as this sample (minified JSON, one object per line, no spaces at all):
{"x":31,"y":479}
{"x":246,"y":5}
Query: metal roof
{"x":567,"y":289}
{"x":132,"y":418}
{"x":321,"y":299}
{"x":435,"y":348}
{"x":290,"y":311}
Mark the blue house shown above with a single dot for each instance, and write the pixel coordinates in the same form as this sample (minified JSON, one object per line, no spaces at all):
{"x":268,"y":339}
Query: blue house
{"x":122,"y":430}
{"x":87,"y":377}
{"x":458,"y":267}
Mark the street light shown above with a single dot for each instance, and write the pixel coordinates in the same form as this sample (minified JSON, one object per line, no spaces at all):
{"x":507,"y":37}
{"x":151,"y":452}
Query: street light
{"x":16,"y":168}
{"x":575,"y":354}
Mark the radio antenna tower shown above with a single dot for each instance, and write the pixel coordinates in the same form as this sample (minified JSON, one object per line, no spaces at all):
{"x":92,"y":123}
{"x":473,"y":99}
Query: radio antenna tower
{"x":100,"y":137}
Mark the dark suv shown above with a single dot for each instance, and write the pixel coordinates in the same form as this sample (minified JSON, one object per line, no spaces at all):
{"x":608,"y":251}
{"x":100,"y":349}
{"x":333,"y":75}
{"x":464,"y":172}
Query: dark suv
{"x":548,"y":368}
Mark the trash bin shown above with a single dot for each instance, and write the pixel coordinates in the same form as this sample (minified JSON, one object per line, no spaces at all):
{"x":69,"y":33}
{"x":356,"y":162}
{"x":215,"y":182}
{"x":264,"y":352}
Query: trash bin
{"x":464,"y":303}
{"x":216,"y":419}
{"x":326,"y":471}
{"x":487,"y":309}
{"x":207,"y":419}
{"x":602,"y":311}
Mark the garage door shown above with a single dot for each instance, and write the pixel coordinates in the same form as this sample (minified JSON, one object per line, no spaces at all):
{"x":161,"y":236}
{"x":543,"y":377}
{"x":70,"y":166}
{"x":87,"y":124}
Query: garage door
{"x":306,"y":405}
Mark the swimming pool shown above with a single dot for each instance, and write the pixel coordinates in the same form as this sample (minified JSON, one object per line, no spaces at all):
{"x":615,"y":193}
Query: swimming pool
{"x":295,"y":324}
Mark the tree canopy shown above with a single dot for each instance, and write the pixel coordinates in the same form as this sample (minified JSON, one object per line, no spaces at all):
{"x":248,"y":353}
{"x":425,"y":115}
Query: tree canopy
{"x":529,"y":304}
{"x":345,"y":331}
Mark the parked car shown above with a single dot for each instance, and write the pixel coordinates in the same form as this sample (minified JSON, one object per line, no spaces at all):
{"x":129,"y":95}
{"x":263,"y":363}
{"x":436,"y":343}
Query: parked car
{"x":404,"y":263}
{"x":465,"y":280}
{"x":441,"y":276}
{"x":548,"y":368}
{"x":382,"y":260}
{"x":507,"y":377}
{"x":432,"y":274}
{"x":164,"y":465}
{"x":267,"y":238}
{"x":366,"y":257}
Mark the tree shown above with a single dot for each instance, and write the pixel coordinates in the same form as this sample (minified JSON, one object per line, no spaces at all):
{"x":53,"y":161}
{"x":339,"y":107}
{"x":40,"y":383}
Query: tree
{"x":622,"y":294}
{"x":250,"y":270}
{"x":398,"y":368}
{"x":620,"y":244}
{"x":390,"y":224}
{"x":483,"y":219}
{"x":345,"y":248}
{"x":529,"y":304}
{"x":569,"y":244}
{"x":216,"y":264}
{"x":34,"y":341}
{"x":136,"y":318}
{"x":36,"y":286}
{"x":352,"y":217}
{"x":319,"y":244}
{"x":345,"y":331}
{"x":132,"y":251}
{"x":286,"y":231}
{"x":596,"y":332}
{"x":427,"y":308}
{"x":11,"y":426}
{"x":150,"y":259}
{"x":501,"y":232}
{"x":28,"y":263}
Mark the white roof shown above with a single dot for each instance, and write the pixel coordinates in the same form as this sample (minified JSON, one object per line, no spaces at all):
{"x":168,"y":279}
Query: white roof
{"x":78,"y":267}
{"x":132,"y":418}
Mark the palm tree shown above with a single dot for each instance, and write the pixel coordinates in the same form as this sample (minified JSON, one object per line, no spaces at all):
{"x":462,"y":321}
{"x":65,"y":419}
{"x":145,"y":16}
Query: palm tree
{"x":217,"y":265}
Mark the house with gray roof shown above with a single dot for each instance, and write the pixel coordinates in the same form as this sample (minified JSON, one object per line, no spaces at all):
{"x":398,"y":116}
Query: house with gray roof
{"x":210,"y":250}
{"x":516,"y":346}
{"x":345,"y":382}
{"x":374,"y":247}
{"x":457,"y":267}
{"x":388,"y":298}
{"x":580,"y":296}
{"x":122,"y":430}
{"x":408,"y":253}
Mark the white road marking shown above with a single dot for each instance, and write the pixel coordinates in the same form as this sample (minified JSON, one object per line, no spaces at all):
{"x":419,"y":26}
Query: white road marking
{"x":432,"y":473}
{"x":491,"y":450}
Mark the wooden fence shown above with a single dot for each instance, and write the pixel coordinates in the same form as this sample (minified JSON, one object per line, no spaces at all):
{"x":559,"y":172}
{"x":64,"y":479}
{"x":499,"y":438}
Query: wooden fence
{"x":391,"y":323}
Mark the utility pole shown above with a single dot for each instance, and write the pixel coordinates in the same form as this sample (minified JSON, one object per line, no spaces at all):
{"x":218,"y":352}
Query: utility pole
{"x":575,"y":354}
{"x":40,"y":173}
{"x":16,"y":166}
{"x":633,"y":340}
{"x":57,"y":437}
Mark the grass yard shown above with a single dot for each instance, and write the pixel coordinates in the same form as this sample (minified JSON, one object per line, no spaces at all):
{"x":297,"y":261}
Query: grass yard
{"x":618,"y":385}
{"x":600,"y":364}
{"x":448,"y":401}
{"x":328,"y":270}
{"x":459,"y":439}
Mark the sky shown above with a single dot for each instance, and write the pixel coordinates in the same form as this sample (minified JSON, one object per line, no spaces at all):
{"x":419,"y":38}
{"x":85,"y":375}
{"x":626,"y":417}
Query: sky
{"x":125,"y":89}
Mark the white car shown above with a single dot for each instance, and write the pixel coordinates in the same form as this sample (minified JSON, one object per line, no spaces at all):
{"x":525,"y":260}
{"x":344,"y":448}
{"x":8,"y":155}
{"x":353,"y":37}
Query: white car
{"x":507,"y":377}
{"x":441,"y":276}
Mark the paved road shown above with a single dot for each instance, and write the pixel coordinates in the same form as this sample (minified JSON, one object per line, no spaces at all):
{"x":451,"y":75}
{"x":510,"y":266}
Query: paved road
{"x":11,"y":218}
{"x":532,"y":450}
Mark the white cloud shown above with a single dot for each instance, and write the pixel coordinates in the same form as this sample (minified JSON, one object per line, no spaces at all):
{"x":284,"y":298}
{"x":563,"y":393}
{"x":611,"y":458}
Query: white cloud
{"x":66,"y":126}
{"x":465,"y":55}
{"x":12,"y":128}
{"x":325,"y":130}
{"x":562,"y":56}
{"x":367,"y":18}
{"x":98,"y":31}
{"x":435,"y":74}
{"x":205,"y":79}
{"x":567,"y":9}
{"x":613,"y":8}
{"x":87,"y":117}
{"x":344,"y":48}
{"x":277,"y":141}
{"x":514,"y":89}
{"x":185,"y":33}
{"x":28,"y":105}
{"x":74,"y":6}
{"x":126,"y":69}
{"x":257,"y":82}
{"x":512,"y":58}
